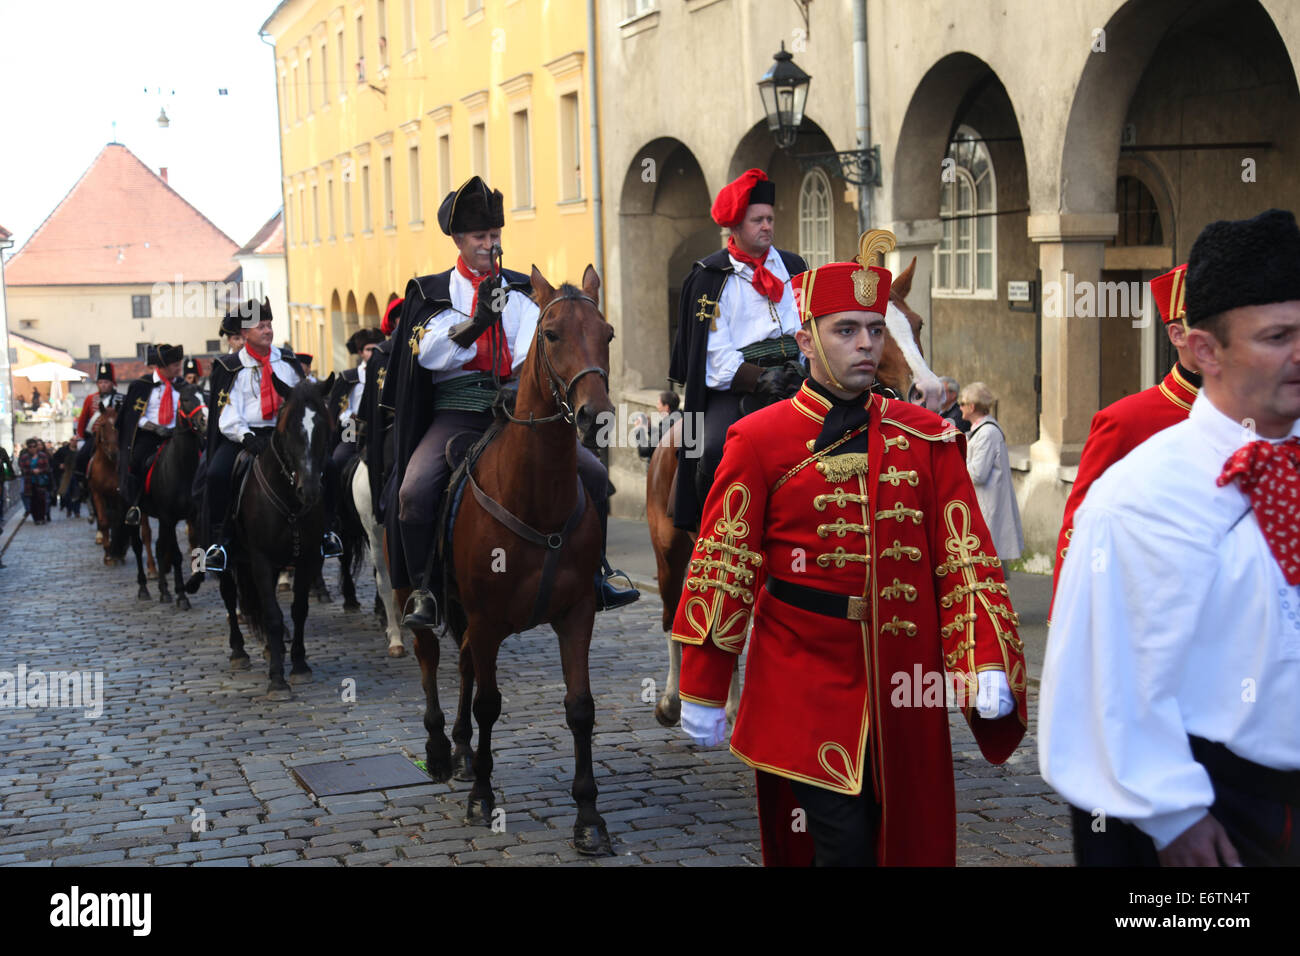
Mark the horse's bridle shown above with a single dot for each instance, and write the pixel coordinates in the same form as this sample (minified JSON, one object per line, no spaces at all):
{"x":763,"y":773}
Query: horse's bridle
{"x":563,"y":404}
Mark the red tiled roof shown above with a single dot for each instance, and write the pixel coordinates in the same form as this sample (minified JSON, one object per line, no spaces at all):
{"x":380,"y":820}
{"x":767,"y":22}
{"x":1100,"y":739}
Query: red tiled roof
{"x":269,"y":240}
{"x":5,"y":233}
{"x":121,"y":224}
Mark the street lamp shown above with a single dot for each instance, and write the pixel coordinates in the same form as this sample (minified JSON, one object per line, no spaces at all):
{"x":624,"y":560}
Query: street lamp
{"x":784,"y":92}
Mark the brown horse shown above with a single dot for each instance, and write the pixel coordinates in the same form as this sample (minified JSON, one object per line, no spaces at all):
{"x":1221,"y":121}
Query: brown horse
{"x":899,"y":367}
{"x":107,"y":503}
{"x":530,"y":471}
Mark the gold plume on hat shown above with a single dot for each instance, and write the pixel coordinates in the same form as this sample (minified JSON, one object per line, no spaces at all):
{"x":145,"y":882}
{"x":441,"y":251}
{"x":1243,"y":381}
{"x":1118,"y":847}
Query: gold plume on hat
{"x":873,"y":242}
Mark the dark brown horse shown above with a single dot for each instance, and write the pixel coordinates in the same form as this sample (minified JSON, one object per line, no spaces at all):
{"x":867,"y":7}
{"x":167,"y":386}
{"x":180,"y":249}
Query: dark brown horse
{"x":109,"y":507}
{"x":279,"y":517}
{"x":168,"y":496}
{"x":900,"y":366}
{"x":531,"y":471}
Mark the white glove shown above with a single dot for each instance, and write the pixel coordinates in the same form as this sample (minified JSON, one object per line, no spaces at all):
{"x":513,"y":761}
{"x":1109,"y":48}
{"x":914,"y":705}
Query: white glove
{"x":994,"y":699}
{"x":705,"y":725}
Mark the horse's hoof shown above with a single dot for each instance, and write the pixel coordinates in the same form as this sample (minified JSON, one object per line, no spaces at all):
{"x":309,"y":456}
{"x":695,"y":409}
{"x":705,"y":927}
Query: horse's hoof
{"x":464,"y":764}
{"x":278,"y":693}
{"x":438,"y":769}
{"x":479,"y":811}
{"x":164,"y":598}
{"x":144,"y":594}
{"x":303,"y":676}
{"x":351,"y":607}
{"x":239,"y":662}
{"x":99,"y":537}
{"x":592,"y":839}
{"x":182,"y":602}
{"x":396,"y":650}
{"x":667,"y":714}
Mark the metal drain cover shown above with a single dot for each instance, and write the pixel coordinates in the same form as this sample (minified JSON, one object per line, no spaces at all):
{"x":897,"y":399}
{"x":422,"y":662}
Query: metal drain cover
{"x":358,"y":776}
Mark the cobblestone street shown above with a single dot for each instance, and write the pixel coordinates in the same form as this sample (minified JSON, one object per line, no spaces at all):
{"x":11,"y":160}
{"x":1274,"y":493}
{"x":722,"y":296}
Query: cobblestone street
{"x":182,"y":737}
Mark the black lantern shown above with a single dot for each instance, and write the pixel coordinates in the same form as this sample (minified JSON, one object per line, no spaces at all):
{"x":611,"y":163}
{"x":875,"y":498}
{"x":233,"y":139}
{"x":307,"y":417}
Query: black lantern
{"x":784,"y":91}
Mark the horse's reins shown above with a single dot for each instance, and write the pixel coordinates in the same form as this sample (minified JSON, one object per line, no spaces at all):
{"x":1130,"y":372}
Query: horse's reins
{"x":554,"y":541}
{"x":286,"y":512}
{"x":563,"y":405}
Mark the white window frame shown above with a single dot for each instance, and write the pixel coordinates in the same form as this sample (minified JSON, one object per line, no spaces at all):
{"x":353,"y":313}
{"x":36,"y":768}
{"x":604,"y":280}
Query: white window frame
{"x":818,"y":257}
{"x":965,"y":180}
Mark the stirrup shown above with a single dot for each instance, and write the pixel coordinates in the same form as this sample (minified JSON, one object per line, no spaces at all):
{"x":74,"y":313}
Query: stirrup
{"x":214,"y":559}
{"x":331,"y":546}
{"x":608,"y":596}
{"x":132,"y":516}
{"x":421,"y":610}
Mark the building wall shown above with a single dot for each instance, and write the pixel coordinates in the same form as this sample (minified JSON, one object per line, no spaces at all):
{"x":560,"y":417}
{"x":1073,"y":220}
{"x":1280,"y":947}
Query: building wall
{"x":482,"y":68}
{"x":75,"y":317}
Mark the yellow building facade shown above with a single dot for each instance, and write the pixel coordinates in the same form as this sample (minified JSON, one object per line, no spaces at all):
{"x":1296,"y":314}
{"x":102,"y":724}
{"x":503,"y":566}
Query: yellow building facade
{"x":387,"y":105}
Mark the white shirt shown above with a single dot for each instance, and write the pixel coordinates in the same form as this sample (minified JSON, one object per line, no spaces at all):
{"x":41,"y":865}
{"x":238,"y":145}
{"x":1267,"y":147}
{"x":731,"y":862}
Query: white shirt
{"x":745,"y":317}
{"x":1171,"y":619}
{"x":446,"y":360}
{"x":155,"y":402}
{"x":354,"y":396}
{"x":989,"y":464}
{"x":243,"y":412}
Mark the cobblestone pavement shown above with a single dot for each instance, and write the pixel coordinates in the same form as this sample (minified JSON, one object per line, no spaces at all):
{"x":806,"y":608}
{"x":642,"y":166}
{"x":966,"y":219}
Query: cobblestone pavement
{"x":181,"y":736}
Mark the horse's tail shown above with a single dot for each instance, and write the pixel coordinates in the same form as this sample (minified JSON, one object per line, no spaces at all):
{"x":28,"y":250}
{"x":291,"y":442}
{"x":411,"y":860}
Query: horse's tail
{"x":351,"y":527}
{"x":250,"y":602}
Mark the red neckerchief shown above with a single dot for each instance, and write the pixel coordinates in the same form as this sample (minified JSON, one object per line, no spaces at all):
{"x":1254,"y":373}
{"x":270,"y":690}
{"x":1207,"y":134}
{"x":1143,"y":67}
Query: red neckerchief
{"x":1269,"y":475}
{"x":765,"y":284}
{"x":270,"y":397}
{"x":166,"y":410}
{"x":493,"y":340}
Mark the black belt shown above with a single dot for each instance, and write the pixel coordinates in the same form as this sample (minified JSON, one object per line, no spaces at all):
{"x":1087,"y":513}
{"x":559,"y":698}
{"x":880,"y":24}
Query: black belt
{"x":1238,"y":773}
{"x":843,"y":606}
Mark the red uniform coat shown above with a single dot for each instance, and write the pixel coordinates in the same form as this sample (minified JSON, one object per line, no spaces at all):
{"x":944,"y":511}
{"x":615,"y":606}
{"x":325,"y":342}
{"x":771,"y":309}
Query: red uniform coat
{"x":1115,"y":431}
{"x":827,"y":700}
{"x":88,"y":409}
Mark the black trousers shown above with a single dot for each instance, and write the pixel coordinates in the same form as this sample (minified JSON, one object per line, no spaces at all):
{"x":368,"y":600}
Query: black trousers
{"x":721,"y":411}
{"x":84,"y":454}
{"x":142,"y":448}
{"x":844,"y":828}
{"x":1257,"y":807}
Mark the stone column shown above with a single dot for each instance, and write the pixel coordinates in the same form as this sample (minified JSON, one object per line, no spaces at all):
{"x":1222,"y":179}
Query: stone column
{"x":1070,"y":253}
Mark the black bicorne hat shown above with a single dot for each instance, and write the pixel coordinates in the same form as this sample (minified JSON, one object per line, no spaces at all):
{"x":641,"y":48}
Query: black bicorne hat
{"x":105,"y":372}
{"x":163,"y":355}
{"x":472,"y":208}
{"x":1236,"y":263}
{"x":363,"y":337}
{"x":245,"y":316}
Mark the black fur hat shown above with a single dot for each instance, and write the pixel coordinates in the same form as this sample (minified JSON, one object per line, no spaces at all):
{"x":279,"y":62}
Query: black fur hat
{"x":363,"y":337}
{"x":245,"y":316}
{"x":164,"y":355}
{"x":472,"y":208}
{"x":1243,"y":262}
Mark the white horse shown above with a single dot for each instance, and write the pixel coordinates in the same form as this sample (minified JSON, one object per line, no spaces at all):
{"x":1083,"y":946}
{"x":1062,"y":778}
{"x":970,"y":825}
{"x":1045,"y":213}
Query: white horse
{"x":375,"y":541}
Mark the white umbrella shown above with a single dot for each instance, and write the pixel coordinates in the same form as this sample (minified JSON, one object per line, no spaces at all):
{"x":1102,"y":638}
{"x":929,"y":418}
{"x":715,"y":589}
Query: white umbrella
{"x":50,"y":372}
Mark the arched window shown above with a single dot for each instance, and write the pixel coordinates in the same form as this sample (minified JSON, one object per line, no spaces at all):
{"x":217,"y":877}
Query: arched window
{"x":965,"y":259}
{"x":816,"y":233}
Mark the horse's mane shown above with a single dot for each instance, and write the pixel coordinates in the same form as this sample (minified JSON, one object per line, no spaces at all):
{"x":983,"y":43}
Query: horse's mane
{"x":567,"y":290}
{"x":307,"y":393}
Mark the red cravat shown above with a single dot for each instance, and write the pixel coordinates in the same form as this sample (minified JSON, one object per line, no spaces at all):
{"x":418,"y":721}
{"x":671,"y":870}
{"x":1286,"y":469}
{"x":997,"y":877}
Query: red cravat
{"x":270,"y":397}
{"x":166,"y":411}
{"x":493,"y":340}
{"x":1269,"y":475}
{"x":765,"y":284}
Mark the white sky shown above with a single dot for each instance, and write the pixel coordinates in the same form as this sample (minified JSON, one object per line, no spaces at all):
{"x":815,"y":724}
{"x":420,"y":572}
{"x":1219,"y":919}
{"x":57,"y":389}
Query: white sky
{"x":70,"y":68}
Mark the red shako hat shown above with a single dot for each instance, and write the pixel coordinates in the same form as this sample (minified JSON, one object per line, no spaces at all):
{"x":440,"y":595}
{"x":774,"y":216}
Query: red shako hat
{"x":1170,"y":293}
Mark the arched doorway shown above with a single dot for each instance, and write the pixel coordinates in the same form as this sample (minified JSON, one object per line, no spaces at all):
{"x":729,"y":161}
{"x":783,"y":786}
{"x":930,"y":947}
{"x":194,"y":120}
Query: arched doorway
{"x":960,"y":188}
{"x":664,"y":225}
{"x":338,"y":330}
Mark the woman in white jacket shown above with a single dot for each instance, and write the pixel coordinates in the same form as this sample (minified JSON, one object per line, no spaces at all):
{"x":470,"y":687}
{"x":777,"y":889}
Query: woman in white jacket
{"x":990,"y":470}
